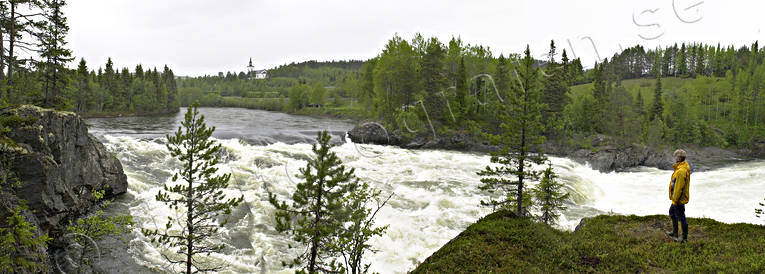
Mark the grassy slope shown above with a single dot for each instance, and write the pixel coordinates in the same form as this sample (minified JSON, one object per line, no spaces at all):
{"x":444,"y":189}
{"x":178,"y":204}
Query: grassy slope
{"x":644,"y":85}
{"x":501,"y":243}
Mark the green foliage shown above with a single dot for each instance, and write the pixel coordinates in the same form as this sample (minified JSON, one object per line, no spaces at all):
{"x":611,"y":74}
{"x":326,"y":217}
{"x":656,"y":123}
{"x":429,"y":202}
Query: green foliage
{"x":199,"y":197}
{"x":549,"y":196}
{"x":622,"y":120}
{"x":329,"y":213}
{"x":353,"y":239}
{"x":395,"y":77}
{"x":94,"y":228}
{"x":556,"y":83}
{"x":759,"y":211}
{"x":503,"y":243}
{"x":318,"y":94}
{"x":22,"y":248}
{"x":658,"y":102}
{"x":518,"y":143}
{"x":410,"y":122}
{"x":299,"y":97}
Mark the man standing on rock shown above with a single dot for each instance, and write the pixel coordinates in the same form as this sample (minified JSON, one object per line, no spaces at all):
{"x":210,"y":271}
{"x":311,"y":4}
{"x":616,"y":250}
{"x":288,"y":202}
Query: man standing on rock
{"x":678,"y":194}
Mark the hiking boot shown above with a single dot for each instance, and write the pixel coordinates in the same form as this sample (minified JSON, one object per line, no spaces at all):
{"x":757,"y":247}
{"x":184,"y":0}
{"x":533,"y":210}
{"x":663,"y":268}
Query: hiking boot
{"x":672,"y":234}
{"x":685,"y":233}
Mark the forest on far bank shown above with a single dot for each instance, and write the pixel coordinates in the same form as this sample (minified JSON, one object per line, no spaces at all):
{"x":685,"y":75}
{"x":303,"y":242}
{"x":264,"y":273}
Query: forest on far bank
{"x":688,"y":93}
{"x":34,"y":60}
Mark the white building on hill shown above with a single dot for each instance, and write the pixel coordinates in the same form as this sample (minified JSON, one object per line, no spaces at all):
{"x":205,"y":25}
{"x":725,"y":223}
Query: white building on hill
{"x":256,"y":73}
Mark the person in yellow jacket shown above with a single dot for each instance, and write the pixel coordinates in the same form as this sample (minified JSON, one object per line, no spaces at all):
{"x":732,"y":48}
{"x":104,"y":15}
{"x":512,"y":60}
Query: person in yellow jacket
{"x":679,"y":195}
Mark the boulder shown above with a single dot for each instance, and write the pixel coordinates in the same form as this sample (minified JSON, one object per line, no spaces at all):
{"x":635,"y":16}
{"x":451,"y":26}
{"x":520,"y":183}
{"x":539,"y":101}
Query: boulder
{"x":372,"y":133}
{"x":60,"y":165}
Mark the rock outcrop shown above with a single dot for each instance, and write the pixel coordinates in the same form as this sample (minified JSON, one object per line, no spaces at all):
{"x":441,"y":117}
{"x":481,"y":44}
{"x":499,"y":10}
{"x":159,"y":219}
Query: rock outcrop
{"x":59,"y":165}
{"x":375,"y":133}
{"x":601,"y":152}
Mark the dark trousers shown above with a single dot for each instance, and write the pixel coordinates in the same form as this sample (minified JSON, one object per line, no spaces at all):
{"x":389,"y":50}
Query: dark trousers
{"x":677,"y":212}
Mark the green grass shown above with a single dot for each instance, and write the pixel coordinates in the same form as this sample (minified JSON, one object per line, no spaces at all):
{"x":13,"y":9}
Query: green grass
{"x":644,"y":85}
{"x":502,"y":243}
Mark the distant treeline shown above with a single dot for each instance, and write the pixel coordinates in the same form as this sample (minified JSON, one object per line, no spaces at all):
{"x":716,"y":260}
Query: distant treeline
{"x":686,"y":60}
{"x":42,"y":78}
{"x":335,"y":79}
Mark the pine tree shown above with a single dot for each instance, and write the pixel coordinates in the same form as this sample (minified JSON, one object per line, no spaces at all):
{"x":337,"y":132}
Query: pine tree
{"x":680,"y":61}
{"x":353,"y":239}
{"x":566,"y":66}
{"x":518,"y":143}
{"x":555,"y":89}
{"x":658,"y":104}
{"x":433,"y":80}
{"x":549,"y":196}
{"x":109,"y":84}
{"x":461,"y":86}
{"x":172,"y":90}
{"x":22,"y":248}
{"x":83,"y":89}
{"x":640,"y":104}
{"x":318,"y":209}
{"x":199,"y":197}
{"x":53,"y":41}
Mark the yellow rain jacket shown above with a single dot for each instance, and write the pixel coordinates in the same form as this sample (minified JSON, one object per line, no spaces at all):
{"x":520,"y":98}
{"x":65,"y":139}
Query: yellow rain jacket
{"x":678,"y":186}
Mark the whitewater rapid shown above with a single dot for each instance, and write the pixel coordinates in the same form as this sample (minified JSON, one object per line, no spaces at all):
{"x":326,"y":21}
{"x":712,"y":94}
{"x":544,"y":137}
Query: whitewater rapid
{"x":436,"y":197}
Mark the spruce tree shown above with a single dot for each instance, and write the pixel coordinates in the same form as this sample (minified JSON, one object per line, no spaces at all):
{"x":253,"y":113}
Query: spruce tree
{"x":555,"y":89}
{"x":433,"y":81}
{"x":83,"y":89}
{"x":55,"y":54}
{"x":199,"y":197}
{"x":658,"y":104}
{"x":328,"y":212}
{"x":549,"y":196}
{"x":640,"y":104}
{"x":461,"y":85}
{"x":518,"y":142}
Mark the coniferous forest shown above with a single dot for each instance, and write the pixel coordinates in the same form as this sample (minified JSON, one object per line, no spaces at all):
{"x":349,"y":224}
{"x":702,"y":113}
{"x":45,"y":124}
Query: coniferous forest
{"x":37,"y":67}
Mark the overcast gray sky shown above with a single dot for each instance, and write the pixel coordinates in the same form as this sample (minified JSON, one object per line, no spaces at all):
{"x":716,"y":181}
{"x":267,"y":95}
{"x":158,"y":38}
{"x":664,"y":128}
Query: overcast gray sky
{"x":204,"y":37}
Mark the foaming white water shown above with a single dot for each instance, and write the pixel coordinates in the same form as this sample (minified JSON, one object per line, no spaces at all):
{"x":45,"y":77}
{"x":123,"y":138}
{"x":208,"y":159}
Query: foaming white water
{"x":436,"y":197}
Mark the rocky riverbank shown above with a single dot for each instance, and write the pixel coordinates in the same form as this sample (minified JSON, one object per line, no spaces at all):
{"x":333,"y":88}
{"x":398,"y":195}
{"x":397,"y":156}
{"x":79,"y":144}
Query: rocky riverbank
{"x":58,"y":164}
{"x":601,"y":152}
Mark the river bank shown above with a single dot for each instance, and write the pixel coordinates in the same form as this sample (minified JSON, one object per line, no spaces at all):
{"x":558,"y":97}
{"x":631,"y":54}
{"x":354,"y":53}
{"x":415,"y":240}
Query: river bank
{"x":124,"y":114}
{"x":601,"y":152}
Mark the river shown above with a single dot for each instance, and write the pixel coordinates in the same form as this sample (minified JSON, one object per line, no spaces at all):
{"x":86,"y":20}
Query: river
{"x":436,"y":192}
